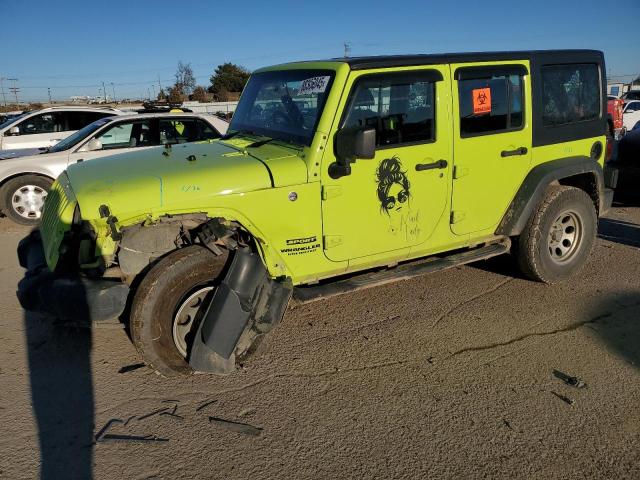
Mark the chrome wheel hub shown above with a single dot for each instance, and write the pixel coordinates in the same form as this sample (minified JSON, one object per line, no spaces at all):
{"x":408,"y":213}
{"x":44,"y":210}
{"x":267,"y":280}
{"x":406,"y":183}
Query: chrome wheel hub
{"x":565,"y":236}
{"x":28,"y":201}
{"x":190,"y":310}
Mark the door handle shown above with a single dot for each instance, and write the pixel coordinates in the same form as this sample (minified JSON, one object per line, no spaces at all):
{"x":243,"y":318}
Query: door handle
{"x":511,"y":153}
{"x":431,"y":166}
{"x":80,"y":160}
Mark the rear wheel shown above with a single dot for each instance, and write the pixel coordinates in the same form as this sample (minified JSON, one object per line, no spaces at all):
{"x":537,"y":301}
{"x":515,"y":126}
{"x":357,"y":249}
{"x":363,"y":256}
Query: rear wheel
{"x":558,"y":237}
{"x":167,"y":307}
{"x":23,"y":198}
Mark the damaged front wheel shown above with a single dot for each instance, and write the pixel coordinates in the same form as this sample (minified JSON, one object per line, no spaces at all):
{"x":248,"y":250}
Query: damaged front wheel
{"x":168,"y":305}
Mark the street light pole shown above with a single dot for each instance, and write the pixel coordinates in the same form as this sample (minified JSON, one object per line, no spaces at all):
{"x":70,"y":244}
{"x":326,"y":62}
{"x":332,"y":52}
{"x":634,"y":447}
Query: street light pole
{"x":114,"y":93}
{"x":4,"y":99}
{"x":49,"y":92}
{"x":154,"y":91}
{"x":104,"y":92}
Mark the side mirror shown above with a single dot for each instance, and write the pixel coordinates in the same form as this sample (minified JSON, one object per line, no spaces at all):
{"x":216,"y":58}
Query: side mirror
{"x":91,"y":145}
{"x":352,"y":143}
{"x":14,"y":131}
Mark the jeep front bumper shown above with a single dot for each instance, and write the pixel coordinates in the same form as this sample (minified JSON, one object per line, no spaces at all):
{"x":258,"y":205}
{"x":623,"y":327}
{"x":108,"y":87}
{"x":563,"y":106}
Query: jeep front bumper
{"x":66,"y":297}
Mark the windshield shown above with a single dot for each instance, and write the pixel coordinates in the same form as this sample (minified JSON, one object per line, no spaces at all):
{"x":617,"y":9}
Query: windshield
{"x":284,"y":105}
{"x":81,"y":134}
{"x":11,"y":119}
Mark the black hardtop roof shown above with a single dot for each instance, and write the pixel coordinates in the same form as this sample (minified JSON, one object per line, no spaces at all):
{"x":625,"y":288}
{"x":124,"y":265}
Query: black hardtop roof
{"x":386,"y":61}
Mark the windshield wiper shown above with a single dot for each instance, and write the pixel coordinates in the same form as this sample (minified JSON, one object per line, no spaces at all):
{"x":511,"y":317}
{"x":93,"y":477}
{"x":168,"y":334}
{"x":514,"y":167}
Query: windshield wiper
{"x":237,"y":132}
{"x":259,"y":143}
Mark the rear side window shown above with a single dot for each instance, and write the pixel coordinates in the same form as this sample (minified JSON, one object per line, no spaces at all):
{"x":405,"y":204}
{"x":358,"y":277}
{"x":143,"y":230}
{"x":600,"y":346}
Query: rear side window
{"x":492,"y":104}
{"x":570,"y":94}
{"x":49,"y":122}
{"x":400,"y":108}
{"x":184,"y":130}
{"x":78,"y":120}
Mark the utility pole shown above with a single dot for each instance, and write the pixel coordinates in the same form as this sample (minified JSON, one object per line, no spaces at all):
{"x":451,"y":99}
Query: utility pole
{"x":114,"y":92}
{"x":49,"y":92}
{"x":104,"y":92}
{"x":4,"y":99}
{"x":159,"y":84}
{"x":347,"y":49}
{"x":148,"y":94}
{"x":154,"y":91}
{"x":14,"y":89}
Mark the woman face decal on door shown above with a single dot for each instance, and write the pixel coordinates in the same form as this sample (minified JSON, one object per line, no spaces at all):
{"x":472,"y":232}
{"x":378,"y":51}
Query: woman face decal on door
{"x":394,"y":195}
{"x":393,"y":185}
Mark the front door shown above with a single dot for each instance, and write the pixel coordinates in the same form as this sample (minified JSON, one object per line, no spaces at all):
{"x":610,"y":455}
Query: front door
{"x":395,"y":200}
{"x":492,"y":142}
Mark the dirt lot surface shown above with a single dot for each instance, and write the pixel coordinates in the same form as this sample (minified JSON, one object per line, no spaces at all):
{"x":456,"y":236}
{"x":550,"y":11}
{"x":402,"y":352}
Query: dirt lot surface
{"x":443,"y":376}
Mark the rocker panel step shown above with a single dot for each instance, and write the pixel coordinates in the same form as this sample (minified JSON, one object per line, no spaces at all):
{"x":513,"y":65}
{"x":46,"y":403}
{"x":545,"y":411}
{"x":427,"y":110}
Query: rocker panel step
{"x":406,"y":271}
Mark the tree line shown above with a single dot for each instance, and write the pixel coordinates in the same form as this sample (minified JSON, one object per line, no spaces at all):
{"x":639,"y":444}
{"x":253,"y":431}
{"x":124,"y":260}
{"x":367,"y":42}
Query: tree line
{"x":226,"y":84}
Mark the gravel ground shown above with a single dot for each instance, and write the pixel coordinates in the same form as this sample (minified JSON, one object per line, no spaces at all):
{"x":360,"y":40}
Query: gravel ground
{"x":443,"y":376}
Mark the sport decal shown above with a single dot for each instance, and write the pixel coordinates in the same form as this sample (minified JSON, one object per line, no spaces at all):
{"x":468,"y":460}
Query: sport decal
{"x":481,"y":100}
{"x":394,"y":195}
{"x":299,"y":246}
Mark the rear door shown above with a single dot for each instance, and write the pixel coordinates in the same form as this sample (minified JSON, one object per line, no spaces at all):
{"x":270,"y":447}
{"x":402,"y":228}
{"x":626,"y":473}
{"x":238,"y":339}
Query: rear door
{"x":492,"y":141}
{"x":394,"y":201}
{"x":39,"y":130}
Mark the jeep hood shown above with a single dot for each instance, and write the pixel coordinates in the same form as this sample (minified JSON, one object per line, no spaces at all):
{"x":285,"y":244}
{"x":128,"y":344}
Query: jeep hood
{"x":179,"y":179}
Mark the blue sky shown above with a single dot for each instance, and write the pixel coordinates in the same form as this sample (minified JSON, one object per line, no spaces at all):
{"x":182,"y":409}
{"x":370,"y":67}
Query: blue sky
{"x":72,"y":46}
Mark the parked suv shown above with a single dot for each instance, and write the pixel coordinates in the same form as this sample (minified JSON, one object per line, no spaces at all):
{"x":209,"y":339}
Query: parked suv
{"x":46,"y":127}
{"x":25,"y":181}
{"x":335,"y":175}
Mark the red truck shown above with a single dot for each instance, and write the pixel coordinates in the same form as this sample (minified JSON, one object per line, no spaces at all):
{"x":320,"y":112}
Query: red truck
{"x":614,"y":116}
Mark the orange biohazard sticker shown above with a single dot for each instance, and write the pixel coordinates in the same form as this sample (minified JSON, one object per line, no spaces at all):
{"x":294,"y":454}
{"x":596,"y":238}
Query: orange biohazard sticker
{"x":481,"y":100}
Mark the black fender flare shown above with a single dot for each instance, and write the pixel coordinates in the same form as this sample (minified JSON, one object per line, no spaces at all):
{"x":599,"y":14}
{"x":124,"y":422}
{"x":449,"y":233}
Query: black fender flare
{"x":536,"y":183}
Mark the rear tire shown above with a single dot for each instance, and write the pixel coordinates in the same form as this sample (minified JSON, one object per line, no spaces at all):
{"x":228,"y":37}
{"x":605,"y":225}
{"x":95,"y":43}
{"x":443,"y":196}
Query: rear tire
{"x":158,"y":300}
{"x":22,"y":198}
{"x":557,"y":239}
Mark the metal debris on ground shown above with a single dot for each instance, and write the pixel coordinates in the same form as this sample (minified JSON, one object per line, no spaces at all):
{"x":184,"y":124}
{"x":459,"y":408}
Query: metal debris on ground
{"x":132,"y":438}
{"x":569,"y":380}
{"x":566,"y":400}
{"x":172,"y":413}
{"x":129,"y":368}
{"x":236,"y":426}
{"x":204,"y":404}
{"x":106,"y":427}
{"x":155,"y":412}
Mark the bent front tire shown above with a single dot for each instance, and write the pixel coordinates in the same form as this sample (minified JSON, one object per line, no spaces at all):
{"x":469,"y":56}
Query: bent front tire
{"x":167,"y":307}
{"x":557,"y":239}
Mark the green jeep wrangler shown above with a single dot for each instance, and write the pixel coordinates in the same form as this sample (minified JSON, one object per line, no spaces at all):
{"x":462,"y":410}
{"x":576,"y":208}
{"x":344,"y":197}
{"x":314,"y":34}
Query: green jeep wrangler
{"x":335,"y":175}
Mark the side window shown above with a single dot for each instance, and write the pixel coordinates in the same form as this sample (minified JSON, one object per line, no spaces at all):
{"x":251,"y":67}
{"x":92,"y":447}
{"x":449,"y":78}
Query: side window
{"x":127,"y":135}
{"x":78,"y":120}
{"x":491,"y":104}
{"x":44,"y":123}
{"x":207,"y":132}
{"x":570,"y":93}
{"x":400,"y":108}
{"x":181,"y":130}
{"x":632,"y":107}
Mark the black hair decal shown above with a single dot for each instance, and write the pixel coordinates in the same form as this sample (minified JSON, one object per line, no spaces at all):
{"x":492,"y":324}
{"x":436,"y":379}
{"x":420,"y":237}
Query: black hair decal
{"x":390,"y":172}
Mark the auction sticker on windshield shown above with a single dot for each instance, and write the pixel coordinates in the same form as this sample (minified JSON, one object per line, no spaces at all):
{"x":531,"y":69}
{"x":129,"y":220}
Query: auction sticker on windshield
{"x":313,"y":85}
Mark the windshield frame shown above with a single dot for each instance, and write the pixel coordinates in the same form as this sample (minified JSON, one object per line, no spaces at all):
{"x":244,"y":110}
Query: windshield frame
{"x":248,"y":98}
{"x":80,"y":135}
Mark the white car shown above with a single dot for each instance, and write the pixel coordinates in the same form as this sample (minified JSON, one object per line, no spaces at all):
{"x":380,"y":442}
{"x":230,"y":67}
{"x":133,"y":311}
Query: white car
{"x":24,"y":181}
{"x":46,"y":127}
{"x":631,"y":114}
